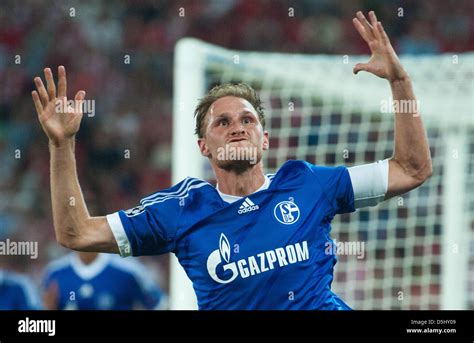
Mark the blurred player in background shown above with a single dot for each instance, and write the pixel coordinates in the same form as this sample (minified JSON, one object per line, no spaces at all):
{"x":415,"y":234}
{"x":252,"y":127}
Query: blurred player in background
{"x":92,"y":281}
{"x":18,"y":292}
{"x":255,"y":241}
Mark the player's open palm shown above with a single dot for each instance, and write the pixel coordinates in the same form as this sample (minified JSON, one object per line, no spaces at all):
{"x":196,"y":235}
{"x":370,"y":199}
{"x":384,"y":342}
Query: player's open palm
{"x":384,"y":61}
{"x":60,"y":120}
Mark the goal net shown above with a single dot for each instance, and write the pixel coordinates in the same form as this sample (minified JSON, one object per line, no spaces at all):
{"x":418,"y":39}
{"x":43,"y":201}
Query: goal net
{"x":419,"y":247}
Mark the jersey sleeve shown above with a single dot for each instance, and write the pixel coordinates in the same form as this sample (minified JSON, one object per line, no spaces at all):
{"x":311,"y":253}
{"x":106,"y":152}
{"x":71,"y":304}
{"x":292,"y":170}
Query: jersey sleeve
{"x":336,"y":184}
{"x":150,"y":228}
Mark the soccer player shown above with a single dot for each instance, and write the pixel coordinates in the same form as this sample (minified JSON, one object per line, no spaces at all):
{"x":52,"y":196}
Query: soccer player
{"x":17,"y":292}
{"x":255,"y":241}
{"x":92,"y":281}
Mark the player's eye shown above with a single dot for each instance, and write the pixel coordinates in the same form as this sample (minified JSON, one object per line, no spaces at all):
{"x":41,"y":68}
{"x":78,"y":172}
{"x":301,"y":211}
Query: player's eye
{"x":222,"y":122}
{"x":247,"y":120}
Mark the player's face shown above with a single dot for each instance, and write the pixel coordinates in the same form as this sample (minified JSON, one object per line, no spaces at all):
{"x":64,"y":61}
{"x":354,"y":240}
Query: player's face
{"x":233,"y":135}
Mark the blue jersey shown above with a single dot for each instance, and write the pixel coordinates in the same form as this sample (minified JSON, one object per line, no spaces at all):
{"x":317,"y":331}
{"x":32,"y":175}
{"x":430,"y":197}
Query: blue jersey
{"x":17,"y":292}
{"x":108,"y":283}
{"x":268,"y":250}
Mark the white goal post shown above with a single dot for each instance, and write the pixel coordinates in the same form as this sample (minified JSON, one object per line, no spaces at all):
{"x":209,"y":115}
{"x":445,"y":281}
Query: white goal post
{"x":419,"y":247}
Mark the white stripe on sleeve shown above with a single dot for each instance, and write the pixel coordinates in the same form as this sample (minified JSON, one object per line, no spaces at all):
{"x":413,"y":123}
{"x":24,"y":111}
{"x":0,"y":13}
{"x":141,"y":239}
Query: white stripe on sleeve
{"x":119,"y":233}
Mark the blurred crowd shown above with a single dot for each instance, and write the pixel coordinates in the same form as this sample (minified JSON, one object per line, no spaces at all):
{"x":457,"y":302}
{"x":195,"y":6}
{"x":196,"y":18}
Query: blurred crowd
{"x":121,"y":54}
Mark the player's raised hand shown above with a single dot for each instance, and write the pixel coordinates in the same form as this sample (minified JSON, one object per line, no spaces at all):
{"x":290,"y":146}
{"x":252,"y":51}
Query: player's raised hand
{"x":60,"y":120}
{"x":384,"y":61}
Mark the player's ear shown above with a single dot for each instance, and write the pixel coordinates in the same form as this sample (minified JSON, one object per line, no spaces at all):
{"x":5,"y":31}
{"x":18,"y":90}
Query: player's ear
{"x":203,"y":147}
{"x":266,"y":141}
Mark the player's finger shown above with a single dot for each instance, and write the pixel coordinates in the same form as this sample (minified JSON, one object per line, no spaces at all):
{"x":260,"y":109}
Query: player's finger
{"x":360,"y":66}
{"x":37,"y":101}
{"x":366,"y":24}
{"x":48,"y":74}
{"x":80,"y":95}
{"x":360,"y":28}
{"x":373,"y":20}
{"x":382,"y":33}
{"x":79,"y":98}
{"x":41,"y":91}
{"x":62,"y":84}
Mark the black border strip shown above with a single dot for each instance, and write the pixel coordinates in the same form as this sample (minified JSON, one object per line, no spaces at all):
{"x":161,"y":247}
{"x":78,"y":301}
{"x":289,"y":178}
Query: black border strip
{"x":128,"y":324}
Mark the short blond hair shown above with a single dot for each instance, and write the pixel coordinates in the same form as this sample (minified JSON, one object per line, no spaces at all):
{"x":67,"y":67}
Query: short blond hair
{"x":240,"y":90}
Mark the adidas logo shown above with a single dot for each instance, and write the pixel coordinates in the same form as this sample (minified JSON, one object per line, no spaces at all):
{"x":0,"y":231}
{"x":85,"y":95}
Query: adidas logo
{"x":247,"y":206}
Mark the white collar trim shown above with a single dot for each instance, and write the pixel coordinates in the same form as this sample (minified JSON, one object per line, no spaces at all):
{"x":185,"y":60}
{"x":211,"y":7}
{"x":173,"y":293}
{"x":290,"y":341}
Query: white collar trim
{"x":233,"y":198}
{"x":89,"y":271}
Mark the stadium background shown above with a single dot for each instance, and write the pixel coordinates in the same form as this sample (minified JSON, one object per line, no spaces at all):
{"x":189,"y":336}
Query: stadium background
{"x":134,"y":101}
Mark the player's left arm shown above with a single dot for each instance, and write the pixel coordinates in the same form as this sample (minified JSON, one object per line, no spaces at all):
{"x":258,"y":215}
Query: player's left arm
{"x":410,"y":164}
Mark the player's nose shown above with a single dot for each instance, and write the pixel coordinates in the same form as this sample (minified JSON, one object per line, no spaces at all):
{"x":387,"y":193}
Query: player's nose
{"x":237,"y":128}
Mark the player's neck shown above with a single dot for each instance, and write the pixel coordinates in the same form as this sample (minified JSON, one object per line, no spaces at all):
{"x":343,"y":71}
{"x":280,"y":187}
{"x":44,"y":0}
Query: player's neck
{"x":241,"y":184}
{"x":87,"y":257}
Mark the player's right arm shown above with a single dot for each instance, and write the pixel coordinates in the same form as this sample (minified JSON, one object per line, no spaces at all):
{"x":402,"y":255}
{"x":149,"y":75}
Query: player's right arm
{"x":74,"y":227}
